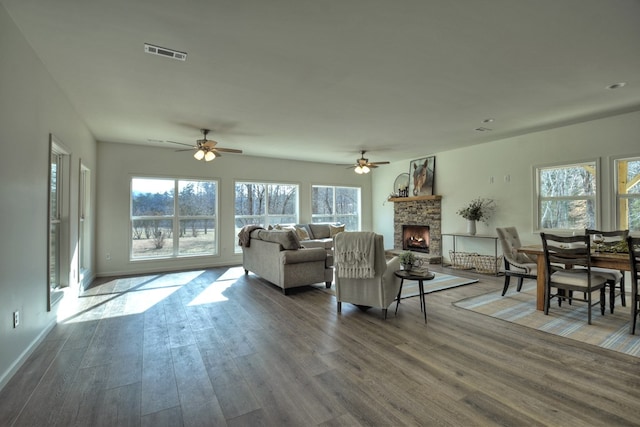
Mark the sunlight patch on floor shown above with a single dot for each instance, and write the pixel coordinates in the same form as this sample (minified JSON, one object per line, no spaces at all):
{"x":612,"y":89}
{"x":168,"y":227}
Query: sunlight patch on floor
{"x":214,"y":292}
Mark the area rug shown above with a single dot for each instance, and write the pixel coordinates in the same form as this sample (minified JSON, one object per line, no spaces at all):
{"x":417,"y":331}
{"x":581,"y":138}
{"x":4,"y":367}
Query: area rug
{"x":438,"y":283}
{"x":610,"y":331}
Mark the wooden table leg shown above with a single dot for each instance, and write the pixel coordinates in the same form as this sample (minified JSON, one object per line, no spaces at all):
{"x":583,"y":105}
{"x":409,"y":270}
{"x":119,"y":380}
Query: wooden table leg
{"x":540,"y":283}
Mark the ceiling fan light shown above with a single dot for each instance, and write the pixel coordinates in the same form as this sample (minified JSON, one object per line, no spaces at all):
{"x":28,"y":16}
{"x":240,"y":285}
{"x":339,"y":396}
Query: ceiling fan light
{"x":358,"y":170}
{"x":199,"y":155}
{"x":209,"y":156}
{"x":365,"y":169}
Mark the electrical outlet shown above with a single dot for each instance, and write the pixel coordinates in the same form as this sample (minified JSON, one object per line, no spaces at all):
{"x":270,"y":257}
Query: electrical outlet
{"x":108,"y":256}
{"x":16,"y":319}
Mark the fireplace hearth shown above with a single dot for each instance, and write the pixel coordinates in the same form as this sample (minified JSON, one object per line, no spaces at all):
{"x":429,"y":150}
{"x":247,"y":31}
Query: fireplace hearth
{"x":415,"y":238}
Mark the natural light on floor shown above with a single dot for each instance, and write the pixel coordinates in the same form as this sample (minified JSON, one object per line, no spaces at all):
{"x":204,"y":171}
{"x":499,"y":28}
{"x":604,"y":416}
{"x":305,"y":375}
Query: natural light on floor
{"x":214,"y":292}
{"x":134,"y":295}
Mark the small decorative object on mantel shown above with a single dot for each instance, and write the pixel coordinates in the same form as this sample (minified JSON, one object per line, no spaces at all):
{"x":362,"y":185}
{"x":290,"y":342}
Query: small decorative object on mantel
{"x":401,"y":186}
{"x":478,"y":210}
{"x":407,"y":259}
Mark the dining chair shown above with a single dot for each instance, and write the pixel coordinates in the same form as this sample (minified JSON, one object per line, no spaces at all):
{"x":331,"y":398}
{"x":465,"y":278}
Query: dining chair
{"x":633,"y":243}
{"x":614,"y":277}
{"x":516,"y":264}
{"x":561,"y":254}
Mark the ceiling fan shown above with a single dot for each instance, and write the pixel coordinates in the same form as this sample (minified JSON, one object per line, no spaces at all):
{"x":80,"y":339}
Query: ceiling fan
{"x":207,"y":149}
{"x":363,"y":165}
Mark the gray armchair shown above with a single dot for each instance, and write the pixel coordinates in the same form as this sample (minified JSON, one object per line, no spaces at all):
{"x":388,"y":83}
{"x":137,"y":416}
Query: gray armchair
{"x":516,"y":264}
{"x":362,"y":274}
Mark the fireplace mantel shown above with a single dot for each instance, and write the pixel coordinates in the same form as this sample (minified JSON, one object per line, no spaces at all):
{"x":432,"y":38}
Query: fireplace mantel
{"x":413,"y":198}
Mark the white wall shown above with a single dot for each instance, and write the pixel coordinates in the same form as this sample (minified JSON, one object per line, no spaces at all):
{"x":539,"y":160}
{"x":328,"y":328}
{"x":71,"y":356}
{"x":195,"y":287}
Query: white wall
{"x":31,"y":107}
{"x":464,"y":174}
{"x":118,"y":162}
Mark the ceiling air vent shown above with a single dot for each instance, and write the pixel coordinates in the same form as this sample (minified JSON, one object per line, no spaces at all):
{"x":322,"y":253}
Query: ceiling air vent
{"x":163,"y":51}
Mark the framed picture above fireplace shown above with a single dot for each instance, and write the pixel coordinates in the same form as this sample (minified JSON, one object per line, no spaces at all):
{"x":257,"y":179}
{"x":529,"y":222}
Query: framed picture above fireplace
{"x":422,"y":173}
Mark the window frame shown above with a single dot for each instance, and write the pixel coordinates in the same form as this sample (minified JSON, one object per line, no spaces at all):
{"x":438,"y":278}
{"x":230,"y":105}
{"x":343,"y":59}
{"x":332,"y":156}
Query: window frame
{"x":538,"y":199}
{"x":335,"y":215}
{"x":619,"y":197}
{"x":175,"y":219}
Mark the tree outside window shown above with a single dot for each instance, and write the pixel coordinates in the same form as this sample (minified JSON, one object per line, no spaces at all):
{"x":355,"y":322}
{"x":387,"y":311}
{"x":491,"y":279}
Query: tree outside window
{"x":628,"y":193}
{"x":567,"y":196}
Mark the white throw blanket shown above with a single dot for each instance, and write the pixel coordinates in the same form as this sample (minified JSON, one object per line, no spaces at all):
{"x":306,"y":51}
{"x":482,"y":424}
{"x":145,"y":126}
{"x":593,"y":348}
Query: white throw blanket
{"x":355,"y":254}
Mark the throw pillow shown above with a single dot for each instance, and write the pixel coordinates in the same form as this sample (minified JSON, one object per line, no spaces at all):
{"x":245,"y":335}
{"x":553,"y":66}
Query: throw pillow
{"x":335,"y":229}
{"x":302,"y":233}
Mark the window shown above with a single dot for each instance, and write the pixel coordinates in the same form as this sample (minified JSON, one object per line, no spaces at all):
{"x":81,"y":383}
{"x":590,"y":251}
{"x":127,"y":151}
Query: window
{"x":58,"y":215}
{"x":55,"y":221}
{"x":566,"y":196}
{"x":166,"y":226}
{"x":336,"y":204}
{"x":265,"y":204}
{"x":628,"y":193}
{"x":84,"y":225}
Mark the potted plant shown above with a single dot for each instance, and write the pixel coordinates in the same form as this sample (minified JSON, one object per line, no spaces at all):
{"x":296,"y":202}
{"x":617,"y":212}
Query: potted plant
{"x":407,"y":259}
{"x":477,"y":210}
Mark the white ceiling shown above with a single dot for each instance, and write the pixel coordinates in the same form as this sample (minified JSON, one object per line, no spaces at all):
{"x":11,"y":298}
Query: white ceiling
{"x":321,"y":80}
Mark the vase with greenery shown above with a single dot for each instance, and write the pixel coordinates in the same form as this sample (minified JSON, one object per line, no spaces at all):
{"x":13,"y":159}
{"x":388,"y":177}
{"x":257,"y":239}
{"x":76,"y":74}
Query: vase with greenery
{"x":477,"y":210}
{"x":407,"y":259}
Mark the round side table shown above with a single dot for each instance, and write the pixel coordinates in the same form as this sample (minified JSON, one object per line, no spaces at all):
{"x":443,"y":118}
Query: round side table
{"x":420,"y":277}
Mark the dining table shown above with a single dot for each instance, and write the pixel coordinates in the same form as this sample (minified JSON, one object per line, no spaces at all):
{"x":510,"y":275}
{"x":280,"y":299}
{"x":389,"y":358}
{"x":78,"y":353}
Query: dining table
{"x":613,"y":260}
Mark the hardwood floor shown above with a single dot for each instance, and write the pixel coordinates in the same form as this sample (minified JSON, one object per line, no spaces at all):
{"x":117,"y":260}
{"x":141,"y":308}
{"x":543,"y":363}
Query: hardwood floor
{"x":216,"y":348}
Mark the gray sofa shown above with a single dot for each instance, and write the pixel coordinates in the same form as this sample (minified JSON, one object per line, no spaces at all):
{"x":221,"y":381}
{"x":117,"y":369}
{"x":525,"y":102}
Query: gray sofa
{"x":277,"y":256}
{"x":320,"y":235}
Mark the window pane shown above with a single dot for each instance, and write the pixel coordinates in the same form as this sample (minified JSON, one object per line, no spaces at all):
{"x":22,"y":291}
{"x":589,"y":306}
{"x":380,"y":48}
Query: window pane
{"x":152,"y":238}
{"x":197,"y":236}
{"x":322,"y":200}
{"x":575,"y":180}
{"x":567,"y":214}
{"x":350,"y":222}
{"x":283,"y":199}
{"x":154,"y":219}
{"x":628,"y":187}
{"x":152,"y":197}
{"x":250,"y":199}
{"x":347,"y":201}
{"x":336,"y":204}
{"x":197,"y":198}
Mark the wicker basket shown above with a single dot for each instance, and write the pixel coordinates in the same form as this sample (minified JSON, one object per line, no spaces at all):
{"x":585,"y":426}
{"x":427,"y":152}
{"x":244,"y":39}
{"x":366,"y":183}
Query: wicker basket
{"x":487,"y":264}
{"x":462,"y":260}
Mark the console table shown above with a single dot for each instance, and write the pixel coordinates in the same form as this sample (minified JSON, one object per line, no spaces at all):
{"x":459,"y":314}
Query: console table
{"x":456,"y":236}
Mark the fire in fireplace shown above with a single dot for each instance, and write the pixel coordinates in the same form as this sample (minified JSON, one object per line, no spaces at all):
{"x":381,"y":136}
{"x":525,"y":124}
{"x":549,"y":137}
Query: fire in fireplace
{"x":415,"y":238}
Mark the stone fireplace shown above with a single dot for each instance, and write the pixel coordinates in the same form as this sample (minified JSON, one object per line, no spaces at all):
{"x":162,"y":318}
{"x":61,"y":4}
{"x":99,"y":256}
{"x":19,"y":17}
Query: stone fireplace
{"x":423,"y":212}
